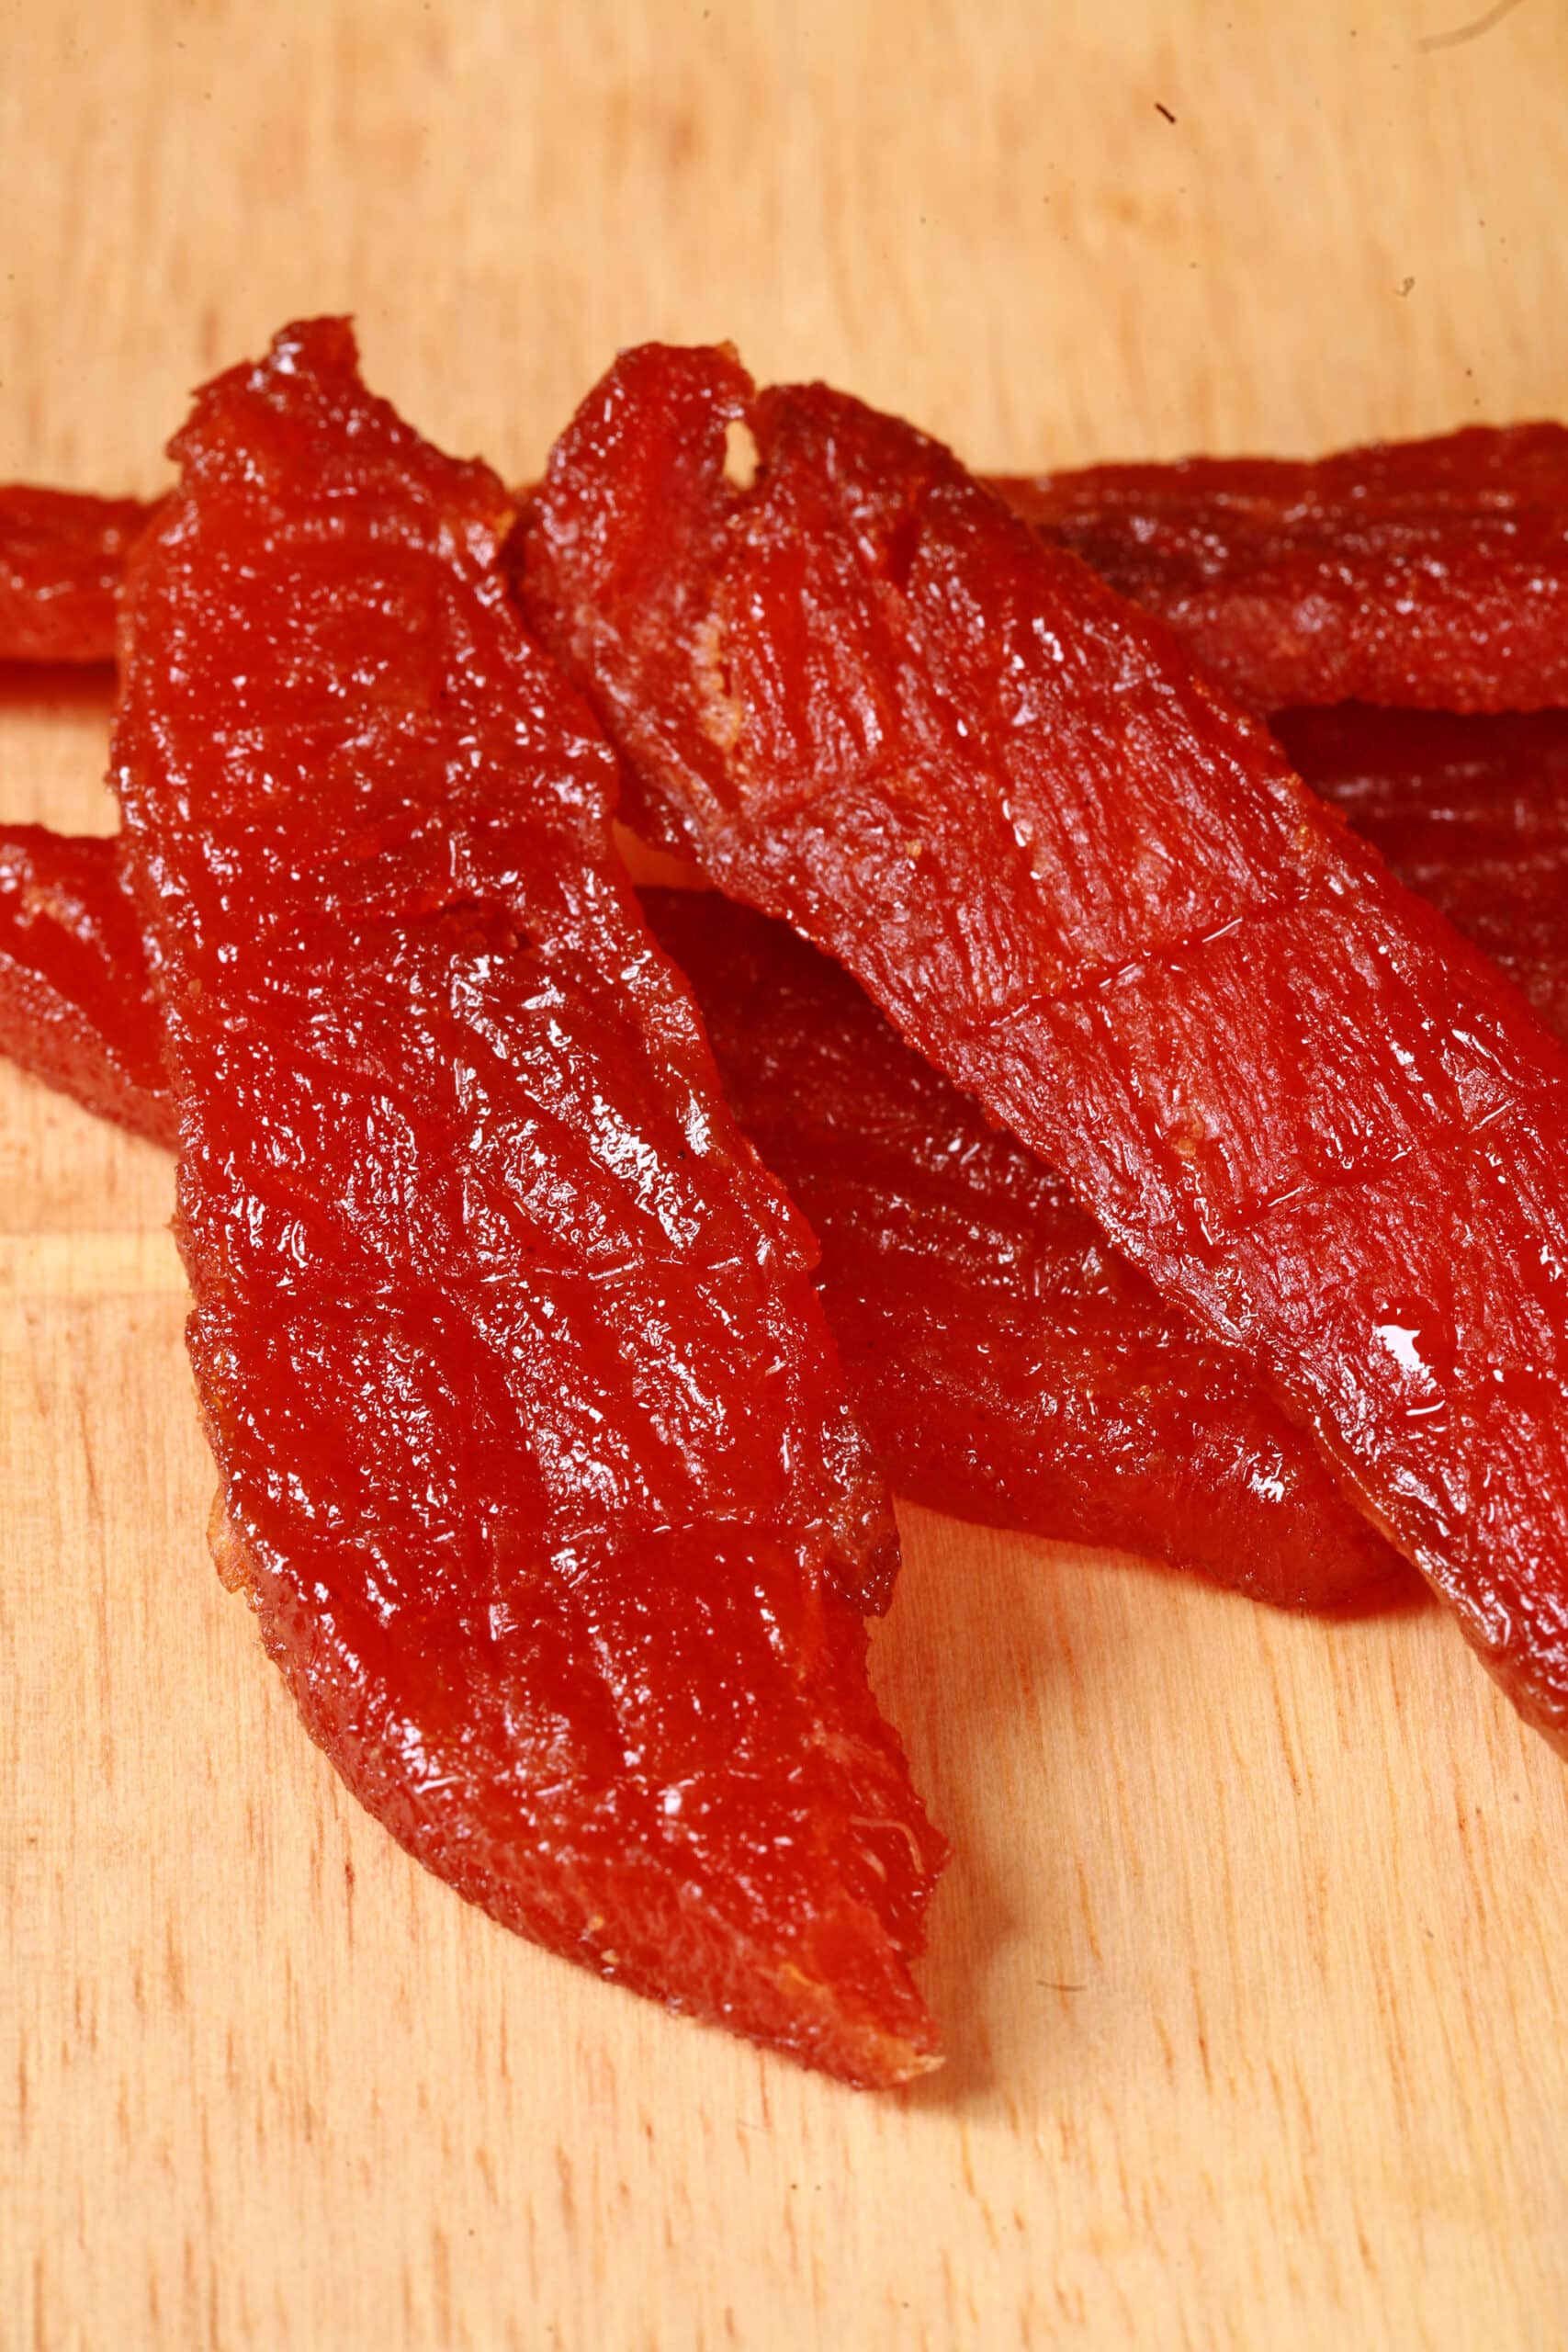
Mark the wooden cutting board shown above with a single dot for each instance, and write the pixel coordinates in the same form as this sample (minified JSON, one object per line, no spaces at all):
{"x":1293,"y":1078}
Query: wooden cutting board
{"x":1249,"y":1955}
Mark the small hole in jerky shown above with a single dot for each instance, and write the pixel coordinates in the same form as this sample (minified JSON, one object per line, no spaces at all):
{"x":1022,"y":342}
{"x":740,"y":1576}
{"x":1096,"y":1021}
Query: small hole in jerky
{"x":739,"y":454}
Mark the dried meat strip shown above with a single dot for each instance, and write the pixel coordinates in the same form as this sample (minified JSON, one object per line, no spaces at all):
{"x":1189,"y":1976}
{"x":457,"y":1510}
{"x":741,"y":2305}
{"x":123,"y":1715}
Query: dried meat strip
{"x":1470,"y":812}
{"x":1006,"y":1365}
{"x":1429,"y":574}
{"x":867,"y":699}
{"x":533,"y":1450}
{"x":62,"y":556}
{"x":77,"y":1005}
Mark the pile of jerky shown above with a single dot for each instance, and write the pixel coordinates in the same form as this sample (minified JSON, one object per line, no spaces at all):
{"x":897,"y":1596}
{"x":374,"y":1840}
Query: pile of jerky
{"x":1110,"y":1088}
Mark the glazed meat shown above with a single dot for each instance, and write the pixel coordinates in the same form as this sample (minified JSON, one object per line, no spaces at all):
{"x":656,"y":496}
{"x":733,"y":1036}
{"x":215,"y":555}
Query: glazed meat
{"x":867,"y":699}
{"x":1006,"y":1365}
{"x":1472,"y":813}
{"x":534,"y":1455}
{"x":1429,"y":574}
{"x":77,"y":1004}
{"x":62,"y":556}
{"x":1432,"y":574}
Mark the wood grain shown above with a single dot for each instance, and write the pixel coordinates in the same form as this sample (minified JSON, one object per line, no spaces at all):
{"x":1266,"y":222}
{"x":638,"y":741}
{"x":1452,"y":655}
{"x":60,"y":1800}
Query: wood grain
{"x":1250,"y":1957}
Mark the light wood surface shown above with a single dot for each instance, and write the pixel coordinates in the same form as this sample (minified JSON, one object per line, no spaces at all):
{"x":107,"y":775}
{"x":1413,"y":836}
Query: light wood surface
{"x":1249,"y":1957}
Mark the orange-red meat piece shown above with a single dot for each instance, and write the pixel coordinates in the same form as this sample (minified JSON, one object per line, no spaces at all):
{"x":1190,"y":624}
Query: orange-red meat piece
{"x":868,"y":699}
{"x":1428,"y":575}
{"x":1006,"y":1363}
{"x":77,"y":1006}
{"x":534,"y":1449}
{"x":1470,"y":812}
{"x":62,"y":555}
{"x":1432,"y":574}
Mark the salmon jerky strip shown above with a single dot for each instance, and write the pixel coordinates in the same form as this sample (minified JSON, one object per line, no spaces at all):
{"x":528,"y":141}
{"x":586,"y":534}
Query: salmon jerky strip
{"x":77,"y":1004}
{"x":61,"y":557}
{"x":533,"y":1452}
{"x":1432,"y":574}
{"x":1429,"y":574}
{"x":1006,"y":1365}
{"x":1471,"y":813}
{"x":867,"y":699}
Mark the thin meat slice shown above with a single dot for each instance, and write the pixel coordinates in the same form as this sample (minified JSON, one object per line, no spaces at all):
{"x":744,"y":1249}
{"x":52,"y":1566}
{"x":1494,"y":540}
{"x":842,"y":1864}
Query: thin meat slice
{"x":1427,"y":574}
{"x":62,"y":556}
{"x":534,"y":1449}
{"x":77,"y":1004}
{"x":1432,"y":574}
{"x":1470,"y":812}
{"x":1006,"y":1365}
{"x":868,"y":700}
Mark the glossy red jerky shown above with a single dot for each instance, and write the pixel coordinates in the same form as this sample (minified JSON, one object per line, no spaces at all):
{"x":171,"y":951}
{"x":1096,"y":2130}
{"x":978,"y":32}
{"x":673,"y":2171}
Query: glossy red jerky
{"x":1008,"y":1365}
{"x":534,"y":1449}
{"x":1432,"y":574}
{"x":866,"y":698}
{"x":1470,"y":812}
{"x":76,"y":1001}
{"x":62,"y":555}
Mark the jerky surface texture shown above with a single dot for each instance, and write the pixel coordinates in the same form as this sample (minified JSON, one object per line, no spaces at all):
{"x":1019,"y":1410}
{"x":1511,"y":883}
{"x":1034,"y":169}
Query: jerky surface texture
{"x":534,"y":1449}
{"x":77,"y":1002}
{"x":868,"y":700}
{"x":1006,"y":1362}
{"x":1007,"y":1365}
{"x":62,"y":556}
{"x":1470,"y":812}
{"x":1431,"y":574}
{"x":1427,"y":574}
